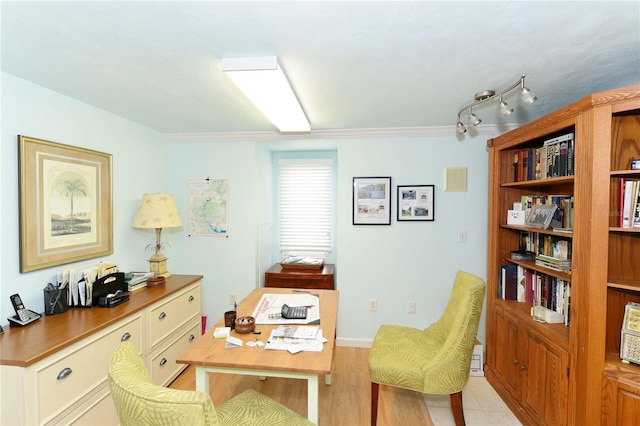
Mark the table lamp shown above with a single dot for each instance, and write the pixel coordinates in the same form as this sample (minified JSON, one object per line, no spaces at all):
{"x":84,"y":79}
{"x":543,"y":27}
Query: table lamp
{"x":157,"y":211}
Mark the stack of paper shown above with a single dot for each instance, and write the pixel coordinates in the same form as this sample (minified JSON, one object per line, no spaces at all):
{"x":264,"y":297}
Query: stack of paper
{"x":294,"y":344}
{"x":296,"y":331}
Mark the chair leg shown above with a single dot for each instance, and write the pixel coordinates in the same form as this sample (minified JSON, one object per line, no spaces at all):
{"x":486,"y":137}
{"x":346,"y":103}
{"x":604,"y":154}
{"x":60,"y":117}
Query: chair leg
{"x":375,"y":388}
{"x":456,"y":407}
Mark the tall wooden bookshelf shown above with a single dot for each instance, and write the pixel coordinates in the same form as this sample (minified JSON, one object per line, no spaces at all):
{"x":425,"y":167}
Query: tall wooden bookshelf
{"x":559,"y":374}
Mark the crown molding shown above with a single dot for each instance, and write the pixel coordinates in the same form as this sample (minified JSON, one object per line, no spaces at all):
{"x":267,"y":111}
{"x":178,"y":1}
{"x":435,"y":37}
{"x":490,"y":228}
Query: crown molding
{"x":392,"y":132}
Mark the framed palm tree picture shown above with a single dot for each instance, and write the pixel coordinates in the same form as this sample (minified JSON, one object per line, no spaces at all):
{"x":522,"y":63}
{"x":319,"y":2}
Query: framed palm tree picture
{"x":65,"y":203}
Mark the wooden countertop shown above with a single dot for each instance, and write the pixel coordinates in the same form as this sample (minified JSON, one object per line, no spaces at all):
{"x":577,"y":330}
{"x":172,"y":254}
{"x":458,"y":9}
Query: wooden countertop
{"x":23,"y":346}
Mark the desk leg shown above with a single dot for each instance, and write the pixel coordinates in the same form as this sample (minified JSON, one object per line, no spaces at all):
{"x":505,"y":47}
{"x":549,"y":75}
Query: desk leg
{"x":313,"y":398}
{"x":202,"y":379}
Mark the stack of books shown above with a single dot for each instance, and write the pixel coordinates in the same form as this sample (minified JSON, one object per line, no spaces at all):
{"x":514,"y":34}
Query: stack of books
{"x":563,"y":265}
{"x":137,"y":280}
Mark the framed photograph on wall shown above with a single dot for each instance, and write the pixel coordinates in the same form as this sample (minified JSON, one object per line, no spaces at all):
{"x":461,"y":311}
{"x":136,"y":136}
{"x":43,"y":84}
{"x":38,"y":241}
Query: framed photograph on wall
{"x":416,"y":202}
{"x":372,"y":200}
{"x":65,"y":203}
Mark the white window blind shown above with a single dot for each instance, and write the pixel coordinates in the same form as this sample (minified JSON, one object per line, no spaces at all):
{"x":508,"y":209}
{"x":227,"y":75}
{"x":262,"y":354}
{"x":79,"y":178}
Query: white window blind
{"x":306,"y":214}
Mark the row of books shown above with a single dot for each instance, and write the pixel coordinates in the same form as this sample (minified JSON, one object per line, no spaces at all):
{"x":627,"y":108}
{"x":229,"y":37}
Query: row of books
{"x":548,"y":245}
{"x":562,"y":217}
{"x":554,"y":158}
{"x":524,"y":285}
{"x":629,"y":203}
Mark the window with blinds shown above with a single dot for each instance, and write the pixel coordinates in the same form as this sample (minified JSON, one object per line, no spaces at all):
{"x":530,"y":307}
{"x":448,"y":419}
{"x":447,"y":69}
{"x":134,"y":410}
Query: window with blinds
{"x":306,"y":206}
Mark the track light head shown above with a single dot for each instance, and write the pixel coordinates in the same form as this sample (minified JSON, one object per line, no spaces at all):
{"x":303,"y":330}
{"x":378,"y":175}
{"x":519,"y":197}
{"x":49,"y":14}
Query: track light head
{"x":528,"y":97}
{"x":505,"y":109}
{"x":460,"y":129}
{"x":474,"y":119}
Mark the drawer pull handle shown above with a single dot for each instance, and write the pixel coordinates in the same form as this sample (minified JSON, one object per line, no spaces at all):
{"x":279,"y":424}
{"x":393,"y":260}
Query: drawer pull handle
{"x":191,"y":338}
{"x":64,"y":373}
{"x":162,"y":315}
{"x":163,"y":361}
{"x":191,"y":298}
{"x":125,"y":337}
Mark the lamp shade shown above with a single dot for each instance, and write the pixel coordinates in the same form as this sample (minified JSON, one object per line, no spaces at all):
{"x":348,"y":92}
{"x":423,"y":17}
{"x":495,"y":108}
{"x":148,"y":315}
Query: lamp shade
{"x":157,"y":211}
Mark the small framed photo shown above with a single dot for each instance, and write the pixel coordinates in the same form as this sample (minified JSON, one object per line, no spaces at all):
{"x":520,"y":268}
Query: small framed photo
{"x":540,"y":215}
{"x":372,"y":200}
{"x":416,"y":203}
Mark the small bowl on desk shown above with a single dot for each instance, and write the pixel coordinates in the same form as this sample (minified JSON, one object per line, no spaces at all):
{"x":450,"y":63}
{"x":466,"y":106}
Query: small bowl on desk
{"x":245,"y":325}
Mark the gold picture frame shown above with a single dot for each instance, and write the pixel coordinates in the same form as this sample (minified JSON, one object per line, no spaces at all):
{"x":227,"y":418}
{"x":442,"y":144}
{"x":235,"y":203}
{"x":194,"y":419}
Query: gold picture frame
{"x":65,"y":203}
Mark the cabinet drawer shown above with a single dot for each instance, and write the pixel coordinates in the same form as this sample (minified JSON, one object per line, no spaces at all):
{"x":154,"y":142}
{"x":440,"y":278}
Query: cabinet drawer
{"x":162,"y":363}
{"x":170,"y":315}
{"x":63,"y":380}
{"x":284,"y":281}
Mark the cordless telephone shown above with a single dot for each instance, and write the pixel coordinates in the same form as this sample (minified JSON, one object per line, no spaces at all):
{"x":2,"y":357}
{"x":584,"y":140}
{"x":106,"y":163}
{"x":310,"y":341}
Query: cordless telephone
{"x":23,"y":316}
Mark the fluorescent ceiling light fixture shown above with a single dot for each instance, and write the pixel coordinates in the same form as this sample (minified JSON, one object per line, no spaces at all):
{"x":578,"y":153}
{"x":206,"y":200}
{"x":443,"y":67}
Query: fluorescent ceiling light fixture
{"x":264,"y":83}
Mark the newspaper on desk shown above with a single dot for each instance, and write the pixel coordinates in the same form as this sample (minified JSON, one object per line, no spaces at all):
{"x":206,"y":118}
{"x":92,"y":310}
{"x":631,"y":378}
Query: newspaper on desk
{"x":268,"y":309}
{"x":295,"y":345}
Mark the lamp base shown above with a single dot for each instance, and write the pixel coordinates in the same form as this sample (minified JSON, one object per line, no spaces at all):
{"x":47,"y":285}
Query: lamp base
{"x":158,"y":265}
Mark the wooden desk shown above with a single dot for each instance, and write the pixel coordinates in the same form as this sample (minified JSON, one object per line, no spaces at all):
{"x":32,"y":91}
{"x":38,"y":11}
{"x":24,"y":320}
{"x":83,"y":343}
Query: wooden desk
{"x":322,"y":278}
{"x":209,"y":355}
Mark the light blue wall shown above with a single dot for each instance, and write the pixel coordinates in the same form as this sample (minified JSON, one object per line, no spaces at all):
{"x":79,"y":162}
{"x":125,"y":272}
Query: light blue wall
{"x":393,"y":264}
{"x":139,"y":166}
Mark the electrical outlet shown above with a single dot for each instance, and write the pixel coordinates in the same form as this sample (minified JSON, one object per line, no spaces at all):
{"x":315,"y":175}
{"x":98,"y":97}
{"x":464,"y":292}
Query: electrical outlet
{"x":462,"y":236}
{"x":373,"y":305}
{"x":411,"y":307}
{"x":232,"y":299}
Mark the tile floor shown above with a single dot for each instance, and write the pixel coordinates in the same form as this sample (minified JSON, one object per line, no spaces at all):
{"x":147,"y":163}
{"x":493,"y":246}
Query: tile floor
{"x":482,"y":406}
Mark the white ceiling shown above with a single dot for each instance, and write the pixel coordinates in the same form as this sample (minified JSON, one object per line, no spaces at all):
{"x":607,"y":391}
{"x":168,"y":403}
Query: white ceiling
{"x":353,"y":65}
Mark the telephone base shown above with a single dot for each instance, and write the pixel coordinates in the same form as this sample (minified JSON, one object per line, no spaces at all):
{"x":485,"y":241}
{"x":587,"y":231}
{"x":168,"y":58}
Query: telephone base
{"x":15,"y":321}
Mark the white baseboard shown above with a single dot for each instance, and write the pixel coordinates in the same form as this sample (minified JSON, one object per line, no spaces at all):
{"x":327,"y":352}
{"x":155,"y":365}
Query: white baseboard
{"x":354,"y":343}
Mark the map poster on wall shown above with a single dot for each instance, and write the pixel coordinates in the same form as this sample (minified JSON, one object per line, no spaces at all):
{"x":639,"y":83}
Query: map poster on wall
{"x":209,"y":207}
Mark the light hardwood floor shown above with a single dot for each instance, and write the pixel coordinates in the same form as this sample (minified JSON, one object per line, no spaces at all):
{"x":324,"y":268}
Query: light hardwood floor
{"x":345,"y":402}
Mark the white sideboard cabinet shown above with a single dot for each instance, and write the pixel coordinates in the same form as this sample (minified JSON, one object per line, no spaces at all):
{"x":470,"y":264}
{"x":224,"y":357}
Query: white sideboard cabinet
{"x":55,"y":370}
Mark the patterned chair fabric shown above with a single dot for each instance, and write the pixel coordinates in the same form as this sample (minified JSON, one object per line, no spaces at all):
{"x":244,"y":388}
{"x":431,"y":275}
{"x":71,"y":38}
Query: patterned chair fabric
{"x":435,"y":360}
{"x":139,"y":402}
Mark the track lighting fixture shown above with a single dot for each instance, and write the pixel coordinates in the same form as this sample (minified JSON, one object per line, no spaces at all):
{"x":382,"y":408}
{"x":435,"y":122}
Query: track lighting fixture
{"x":528,"y":97}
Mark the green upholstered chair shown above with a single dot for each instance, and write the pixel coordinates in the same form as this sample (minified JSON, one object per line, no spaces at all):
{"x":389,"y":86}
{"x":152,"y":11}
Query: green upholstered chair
{"x":139,"y":402}
{"x":435,"y":360}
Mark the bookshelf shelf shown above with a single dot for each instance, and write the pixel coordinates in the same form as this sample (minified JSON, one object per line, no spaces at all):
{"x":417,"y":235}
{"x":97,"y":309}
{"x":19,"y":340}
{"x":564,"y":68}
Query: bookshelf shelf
{"x":625,"y":285}
{"x":547,"y":271}
{"x":625,"y":173}
{"x":549,"y":231}
{"x":586,"y":385}
{"x":539,"y":182}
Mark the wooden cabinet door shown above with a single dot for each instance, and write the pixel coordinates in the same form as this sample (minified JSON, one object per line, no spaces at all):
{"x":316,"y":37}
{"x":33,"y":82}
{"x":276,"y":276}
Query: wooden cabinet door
{"x":544,"y":381}
{"x":507,"y":362}
{"x":620,"y":402}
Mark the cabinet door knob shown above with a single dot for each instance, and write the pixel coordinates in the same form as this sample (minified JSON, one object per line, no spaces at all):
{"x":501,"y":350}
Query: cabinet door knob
{"x":191,"y":298}
{"x":163,"y":361}
{"x":162,"y":315}
{"x":523,"y":367}
{"x":515,"y":361}
{"x":64,"y":373}
{"x":191,"y":338}
{"x":125,"y":337}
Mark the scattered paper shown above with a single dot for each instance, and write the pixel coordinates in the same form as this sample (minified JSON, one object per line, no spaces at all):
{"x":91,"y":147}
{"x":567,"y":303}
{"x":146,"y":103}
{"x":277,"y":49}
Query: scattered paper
{"x":296,"y":331}
{"x":296,"y":345}
{"x":233,"y":342}
{"x":270,"y":305}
